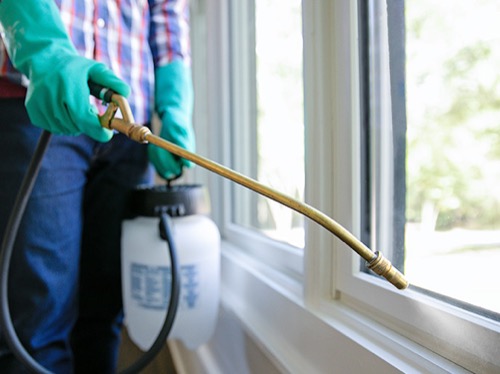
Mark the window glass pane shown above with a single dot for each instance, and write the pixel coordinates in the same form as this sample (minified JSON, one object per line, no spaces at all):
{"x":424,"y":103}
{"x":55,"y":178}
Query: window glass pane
{"x":453,"y":164}
{"x":451,"y":55}
{"x":279,"y":132}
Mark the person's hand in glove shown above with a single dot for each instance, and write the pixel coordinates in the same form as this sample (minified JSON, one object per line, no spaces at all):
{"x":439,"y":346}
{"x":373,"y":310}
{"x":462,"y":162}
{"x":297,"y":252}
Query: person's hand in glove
{"x":58,"y":95}
{"x":174,"y":105}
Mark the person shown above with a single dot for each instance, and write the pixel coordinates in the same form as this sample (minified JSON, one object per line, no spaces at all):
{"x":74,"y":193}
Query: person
{"x":64,"y":282}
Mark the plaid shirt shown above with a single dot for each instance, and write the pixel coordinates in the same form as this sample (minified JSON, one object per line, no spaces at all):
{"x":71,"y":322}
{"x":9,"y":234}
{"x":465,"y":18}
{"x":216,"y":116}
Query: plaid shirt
{"x":132,"y":37}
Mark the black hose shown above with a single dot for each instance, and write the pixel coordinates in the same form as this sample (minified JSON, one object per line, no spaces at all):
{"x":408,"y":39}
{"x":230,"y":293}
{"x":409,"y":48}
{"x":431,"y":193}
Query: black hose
{"x":175,"y":287}
{"x":6,"y":251}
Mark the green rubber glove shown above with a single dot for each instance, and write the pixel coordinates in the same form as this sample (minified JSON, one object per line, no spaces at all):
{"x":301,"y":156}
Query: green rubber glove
{"x":58,"y":94}
{"x":174,"y":105}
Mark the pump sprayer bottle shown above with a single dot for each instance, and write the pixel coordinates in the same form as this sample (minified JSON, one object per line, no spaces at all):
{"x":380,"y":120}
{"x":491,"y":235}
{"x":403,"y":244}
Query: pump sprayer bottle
{"x":145,"y":265}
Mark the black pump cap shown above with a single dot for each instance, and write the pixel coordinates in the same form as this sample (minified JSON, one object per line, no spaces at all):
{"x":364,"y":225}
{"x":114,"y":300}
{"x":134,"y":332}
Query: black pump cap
{"x":176,"y":201}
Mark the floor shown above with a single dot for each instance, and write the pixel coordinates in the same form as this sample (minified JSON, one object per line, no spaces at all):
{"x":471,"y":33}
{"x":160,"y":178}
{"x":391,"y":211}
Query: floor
{"x":129,"y":353}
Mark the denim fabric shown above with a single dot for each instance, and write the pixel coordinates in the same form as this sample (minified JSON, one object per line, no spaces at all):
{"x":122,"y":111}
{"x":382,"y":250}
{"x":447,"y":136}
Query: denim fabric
{"x":64,"y":283}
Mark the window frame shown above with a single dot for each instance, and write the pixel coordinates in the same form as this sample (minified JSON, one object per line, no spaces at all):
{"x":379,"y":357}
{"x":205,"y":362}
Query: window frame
{"x":468,"y":339}
{"x":331,"y":296}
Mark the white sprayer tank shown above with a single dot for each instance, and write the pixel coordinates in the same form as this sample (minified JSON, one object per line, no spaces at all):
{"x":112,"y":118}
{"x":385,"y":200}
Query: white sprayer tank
{"x":146,"y":265}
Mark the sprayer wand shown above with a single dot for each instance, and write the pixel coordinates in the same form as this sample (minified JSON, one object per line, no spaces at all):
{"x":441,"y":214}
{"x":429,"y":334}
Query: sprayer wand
{"x":375,"y":260}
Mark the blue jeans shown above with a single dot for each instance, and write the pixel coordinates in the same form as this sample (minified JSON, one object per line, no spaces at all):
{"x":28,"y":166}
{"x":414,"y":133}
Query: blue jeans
{"x":65,"y":283}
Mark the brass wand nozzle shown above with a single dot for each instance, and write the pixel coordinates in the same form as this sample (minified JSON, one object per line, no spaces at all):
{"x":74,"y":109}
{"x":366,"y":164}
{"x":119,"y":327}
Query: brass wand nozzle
{"x":375,"y":260}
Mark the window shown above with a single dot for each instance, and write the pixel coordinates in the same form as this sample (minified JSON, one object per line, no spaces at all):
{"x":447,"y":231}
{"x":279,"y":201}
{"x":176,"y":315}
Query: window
{"x":352,"y":173}
{"x":267,"y":114}
{"x":435,"y":159}
{"x":453,"y":164}
{"x":426,"y":163}
{"x":262,"y":133}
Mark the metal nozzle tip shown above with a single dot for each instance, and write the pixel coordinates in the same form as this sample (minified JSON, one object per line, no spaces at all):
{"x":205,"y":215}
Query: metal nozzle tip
{"x":382,"y":266}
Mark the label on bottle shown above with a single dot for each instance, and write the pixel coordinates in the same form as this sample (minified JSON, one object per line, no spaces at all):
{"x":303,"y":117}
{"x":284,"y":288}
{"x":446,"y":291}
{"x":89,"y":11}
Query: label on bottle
{"x":150,"y":286}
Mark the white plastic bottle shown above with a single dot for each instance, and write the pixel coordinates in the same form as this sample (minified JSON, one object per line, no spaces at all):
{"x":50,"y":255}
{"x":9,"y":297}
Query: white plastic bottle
{"x":146,"y":266}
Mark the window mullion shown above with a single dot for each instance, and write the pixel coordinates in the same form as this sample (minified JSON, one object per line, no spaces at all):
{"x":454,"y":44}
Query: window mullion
{"x":331,"y":129}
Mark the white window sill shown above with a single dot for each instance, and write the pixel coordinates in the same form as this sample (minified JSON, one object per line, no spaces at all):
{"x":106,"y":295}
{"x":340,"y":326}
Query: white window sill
{"x":314,"y":339}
